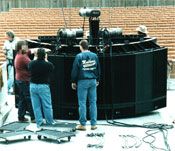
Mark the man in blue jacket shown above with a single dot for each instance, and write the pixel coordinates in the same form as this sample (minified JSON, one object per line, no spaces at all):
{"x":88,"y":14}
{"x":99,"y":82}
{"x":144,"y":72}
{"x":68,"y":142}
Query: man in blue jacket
{"x":85,"y":78}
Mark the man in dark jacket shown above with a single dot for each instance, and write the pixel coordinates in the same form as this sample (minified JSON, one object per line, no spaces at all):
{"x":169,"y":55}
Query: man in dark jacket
{"x":85,"y":78}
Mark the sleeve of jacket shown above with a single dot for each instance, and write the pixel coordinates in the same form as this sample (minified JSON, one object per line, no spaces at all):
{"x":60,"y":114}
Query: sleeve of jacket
{"x":98,"y":69}
{"x":75,"y":70}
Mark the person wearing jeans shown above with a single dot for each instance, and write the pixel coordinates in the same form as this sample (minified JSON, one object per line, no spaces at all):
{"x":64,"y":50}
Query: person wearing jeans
{"x":41,"y":100}
{"x":40,"y":70}
{"x":85,"y":78}
{"x":22,"y":77}
{"x":87,"y":88}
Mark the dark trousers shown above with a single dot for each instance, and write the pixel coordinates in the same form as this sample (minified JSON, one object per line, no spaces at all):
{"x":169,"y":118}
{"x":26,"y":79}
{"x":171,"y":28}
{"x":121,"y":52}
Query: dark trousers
{"x":24,"y":103}
{"x":10,"y":73}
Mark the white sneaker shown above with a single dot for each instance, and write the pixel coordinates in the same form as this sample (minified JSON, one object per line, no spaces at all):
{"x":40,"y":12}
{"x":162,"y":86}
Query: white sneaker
{"x":54,"y":122}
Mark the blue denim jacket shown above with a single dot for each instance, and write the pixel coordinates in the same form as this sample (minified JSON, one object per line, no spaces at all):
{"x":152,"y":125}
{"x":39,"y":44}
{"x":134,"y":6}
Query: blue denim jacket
{"x":86,"y":66}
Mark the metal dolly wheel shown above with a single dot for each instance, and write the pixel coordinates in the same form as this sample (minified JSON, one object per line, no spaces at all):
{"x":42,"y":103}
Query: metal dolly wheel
{"x":55,"y":135}
{"x":15,"y":135}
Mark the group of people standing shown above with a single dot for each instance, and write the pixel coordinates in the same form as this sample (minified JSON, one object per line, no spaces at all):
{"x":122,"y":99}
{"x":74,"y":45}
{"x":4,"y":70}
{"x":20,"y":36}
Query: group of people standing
{"x":32,"y":81}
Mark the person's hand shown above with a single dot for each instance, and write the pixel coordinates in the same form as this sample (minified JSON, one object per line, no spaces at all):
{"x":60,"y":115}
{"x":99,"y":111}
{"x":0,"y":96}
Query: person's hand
{"x":5,"y":51}
{"x":97,"y":83}
{"x":47,"y":50}
{"x":24,"y":47}
{"x":33,"y":50}
{"x":74,"y":86}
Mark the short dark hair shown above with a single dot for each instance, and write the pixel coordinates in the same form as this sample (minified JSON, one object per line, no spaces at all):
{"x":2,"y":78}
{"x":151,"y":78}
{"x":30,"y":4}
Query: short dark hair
{"x":41,"y":54}
{"x":10,"y":34}
{"x":84,"y":44}
{"x":20,"y":44}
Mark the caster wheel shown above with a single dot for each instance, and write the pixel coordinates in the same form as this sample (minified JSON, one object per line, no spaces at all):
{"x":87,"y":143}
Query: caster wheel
{"x":7,"y":141}
{"x":39,"y":137}
{"x":29,"y":137}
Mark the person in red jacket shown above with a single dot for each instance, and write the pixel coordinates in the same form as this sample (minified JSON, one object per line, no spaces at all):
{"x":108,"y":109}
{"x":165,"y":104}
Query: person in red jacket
{"x":22,"y":81}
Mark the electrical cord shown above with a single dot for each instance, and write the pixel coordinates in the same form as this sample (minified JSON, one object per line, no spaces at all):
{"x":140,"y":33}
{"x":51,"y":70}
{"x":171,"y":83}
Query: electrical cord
{"x":147,"y":125}
{"x":155,"y":128}
{"x":130,"y":138}
{"x":95,"y":145}
{"x":166,"y":139}
{"x":131,"y":141}
{"x":97,"y":136}
{"x":150,"y":134}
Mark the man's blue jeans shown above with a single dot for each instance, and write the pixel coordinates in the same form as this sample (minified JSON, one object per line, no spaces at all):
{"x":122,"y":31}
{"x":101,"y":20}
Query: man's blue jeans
{"x":41,"y":102}
{"x":87,"y":89}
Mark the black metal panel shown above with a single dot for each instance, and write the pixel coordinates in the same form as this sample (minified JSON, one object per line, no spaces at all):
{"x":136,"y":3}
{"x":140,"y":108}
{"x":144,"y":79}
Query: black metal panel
{"x":160,"y":72}
{"x":133,"y":79}
{"x":144,"y":76}
{"x":57,"y":83}
{"x":130,"y":84}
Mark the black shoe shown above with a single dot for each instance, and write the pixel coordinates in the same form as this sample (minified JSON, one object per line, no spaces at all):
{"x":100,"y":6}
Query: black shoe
{"x":22,"y":119}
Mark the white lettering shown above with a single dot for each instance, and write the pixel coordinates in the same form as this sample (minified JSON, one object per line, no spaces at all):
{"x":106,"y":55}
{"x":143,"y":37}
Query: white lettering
{"x":88,"y":65}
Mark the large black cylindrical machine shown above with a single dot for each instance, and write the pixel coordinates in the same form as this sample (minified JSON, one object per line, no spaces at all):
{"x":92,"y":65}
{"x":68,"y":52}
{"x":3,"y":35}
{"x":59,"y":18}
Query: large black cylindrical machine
{"x":133,"y":70}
